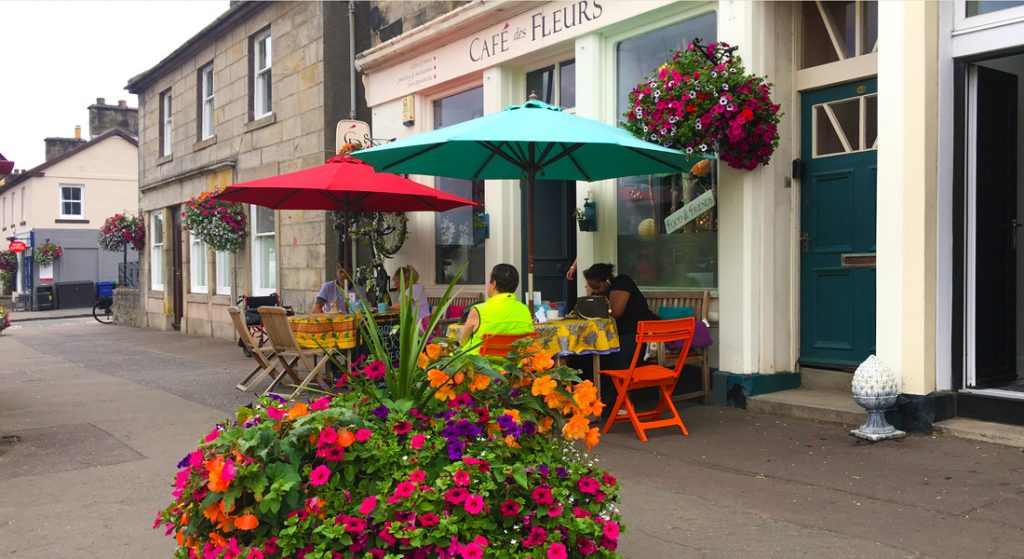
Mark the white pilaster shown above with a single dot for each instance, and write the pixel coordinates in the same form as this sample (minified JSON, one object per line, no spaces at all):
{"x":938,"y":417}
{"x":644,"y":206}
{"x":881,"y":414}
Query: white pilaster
{"x":907,"y":193}
{"x":503,"y":86}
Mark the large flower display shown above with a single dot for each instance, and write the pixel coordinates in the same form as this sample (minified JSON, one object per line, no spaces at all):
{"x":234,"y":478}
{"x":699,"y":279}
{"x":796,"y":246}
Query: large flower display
{"x":220,"y":224}
{"x":122,"y":231}
{"x":8,"y":262}
{"x":702,"y":101}
{"x":441,"y":454}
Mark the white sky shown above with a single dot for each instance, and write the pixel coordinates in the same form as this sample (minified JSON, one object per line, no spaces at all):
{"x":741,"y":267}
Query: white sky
{"x":57,"y":57}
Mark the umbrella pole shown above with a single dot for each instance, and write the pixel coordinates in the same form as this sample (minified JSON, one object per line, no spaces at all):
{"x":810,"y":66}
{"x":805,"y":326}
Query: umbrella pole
{"x":530,"y":179}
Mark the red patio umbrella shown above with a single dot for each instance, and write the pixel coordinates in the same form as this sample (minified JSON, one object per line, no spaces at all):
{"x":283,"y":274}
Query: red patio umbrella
{"x":343,"y":184}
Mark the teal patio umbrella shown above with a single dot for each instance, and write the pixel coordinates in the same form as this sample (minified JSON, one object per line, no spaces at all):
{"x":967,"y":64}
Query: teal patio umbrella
{"x":524,"y":142}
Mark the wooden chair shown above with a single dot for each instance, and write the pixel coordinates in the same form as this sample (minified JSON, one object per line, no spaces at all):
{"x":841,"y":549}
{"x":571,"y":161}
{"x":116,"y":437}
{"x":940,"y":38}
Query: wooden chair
{"x":639,"y":376}
{"x":700,"y":301}
{"x":288,"y":351}
{"x":264,"y":356}
{"x":461,"y":300}
{"x":500,"y":345}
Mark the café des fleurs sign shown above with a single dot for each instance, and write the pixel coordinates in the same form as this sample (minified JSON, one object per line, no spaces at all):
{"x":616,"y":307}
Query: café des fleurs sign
{"x":520,"y":34}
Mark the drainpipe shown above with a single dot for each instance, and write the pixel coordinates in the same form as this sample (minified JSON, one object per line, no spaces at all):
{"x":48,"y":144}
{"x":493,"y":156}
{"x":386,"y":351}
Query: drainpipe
{"x":352,"y":59}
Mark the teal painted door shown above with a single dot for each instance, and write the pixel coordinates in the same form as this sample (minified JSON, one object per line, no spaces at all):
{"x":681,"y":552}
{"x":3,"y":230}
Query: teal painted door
{"x":837,"y":225}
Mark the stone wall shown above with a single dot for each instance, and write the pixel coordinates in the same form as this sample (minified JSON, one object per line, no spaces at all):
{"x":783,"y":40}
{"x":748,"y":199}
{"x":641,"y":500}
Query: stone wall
{"x":391,"y":19}
{"x":128,"y":309}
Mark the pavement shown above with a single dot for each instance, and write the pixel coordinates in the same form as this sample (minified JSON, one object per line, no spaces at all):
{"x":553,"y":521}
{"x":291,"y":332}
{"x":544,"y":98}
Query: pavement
{"x":23,"y":316}
{"x":104,"y":412}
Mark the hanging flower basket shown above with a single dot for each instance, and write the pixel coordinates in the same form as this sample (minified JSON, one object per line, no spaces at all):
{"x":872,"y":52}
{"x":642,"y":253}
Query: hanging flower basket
{"x":702,"y":101}
{"x":46,"y":253}
{"x":8,"y":262}
{"x":220,"y":224}
{"x":122,"y":230}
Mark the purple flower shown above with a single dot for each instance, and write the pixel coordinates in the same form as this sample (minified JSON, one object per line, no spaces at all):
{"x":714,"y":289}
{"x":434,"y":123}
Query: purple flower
{"x":561,"y":472}
{"x":381,"y":411}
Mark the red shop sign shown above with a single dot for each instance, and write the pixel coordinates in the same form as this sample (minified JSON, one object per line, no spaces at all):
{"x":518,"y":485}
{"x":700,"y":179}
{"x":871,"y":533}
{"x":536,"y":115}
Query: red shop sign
{"x":17,"y":246}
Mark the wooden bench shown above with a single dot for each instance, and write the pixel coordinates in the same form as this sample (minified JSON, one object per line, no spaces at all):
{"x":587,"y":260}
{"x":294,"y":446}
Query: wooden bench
{"x":701,"y":303}
{"x":462,"y":299}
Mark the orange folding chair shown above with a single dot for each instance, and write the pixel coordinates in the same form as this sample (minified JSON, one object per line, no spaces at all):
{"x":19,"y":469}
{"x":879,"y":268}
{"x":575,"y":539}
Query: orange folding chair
{"x":639,"y":376}
{"x":500,"y":345}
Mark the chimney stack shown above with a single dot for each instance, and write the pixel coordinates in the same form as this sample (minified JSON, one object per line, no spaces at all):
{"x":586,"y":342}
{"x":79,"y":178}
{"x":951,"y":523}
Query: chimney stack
{"x":78,"y":132}
{"x":101,"y":101}
{"x":122,"y":104}
{"x":103,"y":117}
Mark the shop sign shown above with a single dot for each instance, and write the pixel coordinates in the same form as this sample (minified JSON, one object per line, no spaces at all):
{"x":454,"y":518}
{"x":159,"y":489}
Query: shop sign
{"x":17,"y":246}
{"x":690,"y":211}
{"x":550,"y":24}
{"x":352,"y":132}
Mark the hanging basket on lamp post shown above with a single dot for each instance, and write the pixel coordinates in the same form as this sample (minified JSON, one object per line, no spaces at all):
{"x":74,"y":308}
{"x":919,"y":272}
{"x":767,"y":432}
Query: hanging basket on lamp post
{"x":121,"y":232}
{"x":702,"y":101}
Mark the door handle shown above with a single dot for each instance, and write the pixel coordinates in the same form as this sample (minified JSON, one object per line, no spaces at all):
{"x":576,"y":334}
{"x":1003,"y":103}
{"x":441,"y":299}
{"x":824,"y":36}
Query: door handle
{"x":805,"y":242}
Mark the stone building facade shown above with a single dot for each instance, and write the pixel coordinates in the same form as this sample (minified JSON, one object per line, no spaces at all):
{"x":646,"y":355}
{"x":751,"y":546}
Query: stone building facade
{"x":256,"y":93}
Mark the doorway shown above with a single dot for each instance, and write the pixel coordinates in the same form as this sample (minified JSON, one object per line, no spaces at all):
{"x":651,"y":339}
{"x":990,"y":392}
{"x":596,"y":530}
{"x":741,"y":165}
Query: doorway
{"x":837,"y":225}
{"x":991,"y":208}
{"x":554,"y":240}
{"x":177,"y":289}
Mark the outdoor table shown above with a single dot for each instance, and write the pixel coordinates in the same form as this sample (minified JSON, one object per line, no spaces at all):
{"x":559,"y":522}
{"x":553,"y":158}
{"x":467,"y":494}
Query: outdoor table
{"x":326,"y":330}
{"x":573,"y":336}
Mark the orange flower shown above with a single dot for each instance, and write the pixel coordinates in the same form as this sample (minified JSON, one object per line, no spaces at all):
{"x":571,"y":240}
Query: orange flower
{"x":422,"y":361}
{"x":542,"y":386}
{"x":542,"y":362}
{"x":298,"y":410}
{"x":214,"y":468}
{"x":459,"y":377}
{"x":345,"y":439}
{"x":480,"y":382}
{"x":555,"y":400}
{"x":592,"y":438}
{"x":180,"y":538}
{"x":433,"y":351}
{"x":248,"y":521}
{"x":545,"y":424}
{"x":494,"y":429}
{"x":510,"y":441}
{"x":514,"y":414}
{"x":218,"y":539}
{"x":213,"y":512}
{"x":445,"y":393}
{"x":437,"y":377}
{"x":576,"y":428}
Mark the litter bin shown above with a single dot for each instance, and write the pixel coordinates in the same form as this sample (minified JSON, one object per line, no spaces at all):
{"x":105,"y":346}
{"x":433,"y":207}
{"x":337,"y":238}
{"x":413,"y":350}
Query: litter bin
{"x":44,"y":298}
{"x":104,"y":289}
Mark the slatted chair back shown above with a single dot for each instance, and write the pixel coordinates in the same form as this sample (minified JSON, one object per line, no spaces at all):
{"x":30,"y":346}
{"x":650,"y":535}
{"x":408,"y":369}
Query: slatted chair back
{"x":663,"y":331}
{"x":238,"y":319}
{"x":287,"y":349}
{"x":500,"y":345}
{"x":264,"y":357}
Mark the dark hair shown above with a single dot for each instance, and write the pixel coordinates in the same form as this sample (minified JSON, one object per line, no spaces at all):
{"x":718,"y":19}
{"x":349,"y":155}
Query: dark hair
{"x":505,"y":278}
{"x":600,"y":272}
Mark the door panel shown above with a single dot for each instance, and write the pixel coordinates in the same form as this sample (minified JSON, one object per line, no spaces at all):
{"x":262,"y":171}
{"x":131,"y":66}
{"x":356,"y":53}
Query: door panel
{"x":554,"y":240}
{"x":177,"y":287}
{"x":837,"y":275}
{"x":995,"y":248}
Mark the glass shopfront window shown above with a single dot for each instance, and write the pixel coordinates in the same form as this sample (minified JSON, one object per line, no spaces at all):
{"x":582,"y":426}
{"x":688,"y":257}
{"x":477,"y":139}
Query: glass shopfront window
{"x":458,"y":232}
{"x":687,"y":257}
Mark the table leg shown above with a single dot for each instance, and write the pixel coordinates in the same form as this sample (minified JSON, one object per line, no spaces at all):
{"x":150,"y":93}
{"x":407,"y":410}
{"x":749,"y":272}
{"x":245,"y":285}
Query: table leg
{"x":597,"y":375}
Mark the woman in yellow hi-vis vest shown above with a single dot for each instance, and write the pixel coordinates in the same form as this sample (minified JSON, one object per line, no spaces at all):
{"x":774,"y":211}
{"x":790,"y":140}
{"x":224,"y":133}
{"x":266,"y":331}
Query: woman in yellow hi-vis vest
{"x":502,"y":313}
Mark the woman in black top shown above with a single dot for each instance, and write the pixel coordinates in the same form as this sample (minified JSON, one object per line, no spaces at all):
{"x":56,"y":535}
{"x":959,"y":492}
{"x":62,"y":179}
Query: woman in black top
{"x":628,"y":307}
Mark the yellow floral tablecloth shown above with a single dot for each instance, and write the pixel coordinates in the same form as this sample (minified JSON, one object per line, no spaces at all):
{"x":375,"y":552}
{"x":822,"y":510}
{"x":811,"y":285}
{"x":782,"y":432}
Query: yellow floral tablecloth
{"x":324,"y":330}
{"x":571,"y":336}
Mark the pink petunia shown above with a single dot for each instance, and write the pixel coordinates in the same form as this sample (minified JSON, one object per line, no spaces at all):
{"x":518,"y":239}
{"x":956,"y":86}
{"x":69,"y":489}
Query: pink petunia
{"x":461,"y":478}
{"x":588,"y":485}
{"x":368,"y":505}
{"x":227,"y":473}
{"x":474,"y":504}
{"x":417,"y":476}
{"x":212,"y":435}
{"x":255,"y":554}
{"x":319,"y":475}
{"x":428,"y":520}
{"x":557,"y":551}
{"x":363,"y":435}
{"x":320,"y":404}
{"x":403,"y":490}
{"x":456,"y":495}
{"x":417,"y":441}
{"x":611,"y":530}
{"x":471,"y":551}
{"x":510,"y":508}
{"x":327,"y":437}
{"x":277,"y":414}
{"x":542,"y":495}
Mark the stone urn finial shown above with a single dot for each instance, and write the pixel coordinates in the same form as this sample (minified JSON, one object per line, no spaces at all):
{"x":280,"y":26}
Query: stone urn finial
{"x":875,"y":389}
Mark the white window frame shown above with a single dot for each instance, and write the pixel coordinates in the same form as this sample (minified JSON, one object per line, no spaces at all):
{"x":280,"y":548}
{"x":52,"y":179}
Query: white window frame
{"x":992,"y":19}
{"x":222,"y":263}
{"x":81,"y":201}
{"x":206,"y":105}
{"x":262,"y":94}
{"x":198,"y":267}
{"x":156,"y":251}
{"x":166,"y":124}
{"x":257,"y":263}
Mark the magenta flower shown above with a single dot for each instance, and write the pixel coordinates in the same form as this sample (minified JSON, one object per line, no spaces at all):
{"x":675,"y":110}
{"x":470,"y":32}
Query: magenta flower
{"x":277,"y":414}
{"x":403,"y":490}
{"x":319,"y":475}
{"x":542,"y":495}
{"x":510,"y":508}
{"x":474,"y":504}
{"x":255,"y":554}
{"x":417,"y":476}
{"x":402,"y":427}
{"x":368,"y":505}
{"x":320,"y":404}
{"x":611,"y":530}
{"x":456,"y":495}
{"x":557,"y":551}
{"x":461,"y":478}
{"x":417,"y":441}
{"x":363,"y":435}
{"x":227,"y":473}
{"x":588,"y":485}
{"x":471,"y":551}
{"x":327,"y":437}
{"x":428,"y":520}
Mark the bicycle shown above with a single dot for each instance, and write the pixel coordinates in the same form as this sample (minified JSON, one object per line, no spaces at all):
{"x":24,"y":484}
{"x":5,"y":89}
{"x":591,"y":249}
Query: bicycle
{"x":103,"y":310}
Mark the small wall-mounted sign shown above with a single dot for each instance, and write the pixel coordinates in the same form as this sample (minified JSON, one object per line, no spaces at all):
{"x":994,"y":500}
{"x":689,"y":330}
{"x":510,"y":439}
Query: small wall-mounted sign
{"x":17,"y":246}
{"x":354,"y":132}
{"x":689,"y":212}
{"x":409,"y":110}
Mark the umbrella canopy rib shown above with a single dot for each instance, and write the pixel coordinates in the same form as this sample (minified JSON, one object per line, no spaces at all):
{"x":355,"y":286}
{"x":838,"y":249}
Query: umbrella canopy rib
{"x":584,"y":174}
{"x":496,"y":150}
{"x":565,"y":152}
{"x":427,"y":149}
